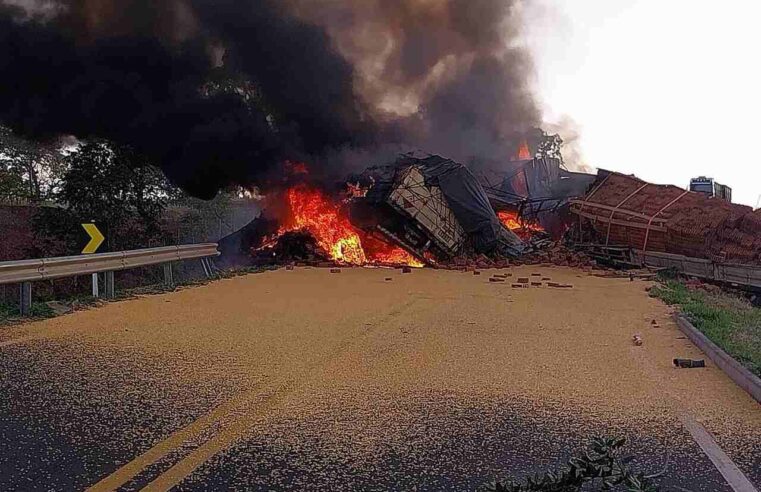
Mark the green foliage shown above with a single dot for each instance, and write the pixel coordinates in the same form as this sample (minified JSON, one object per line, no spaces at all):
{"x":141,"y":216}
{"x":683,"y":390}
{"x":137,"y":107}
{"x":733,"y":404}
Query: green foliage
{"x":117,"y":189}
{"x":29,"y":170}
{"x":10,"y":313}
{"x":599,"y":467}
{"x":57,"y":232}
{"x":11,"y":182}
{"x":551,"y":146}
{"x":729,"y":321}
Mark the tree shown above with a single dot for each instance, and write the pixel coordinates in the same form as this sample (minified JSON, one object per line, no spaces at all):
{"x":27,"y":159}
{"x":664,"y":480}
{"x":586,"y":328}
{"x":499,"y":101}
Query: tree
{"x":118,"y":189}
{"x":29,"y":170}
{"x":551,"y":146}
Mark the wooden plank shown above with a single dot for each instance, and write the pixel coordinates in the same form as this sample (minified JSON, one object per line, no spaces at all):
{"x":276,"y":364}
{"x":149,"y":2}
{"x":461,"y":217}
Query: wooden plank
{"x":613,"y":209}
{"x":605,"y":220}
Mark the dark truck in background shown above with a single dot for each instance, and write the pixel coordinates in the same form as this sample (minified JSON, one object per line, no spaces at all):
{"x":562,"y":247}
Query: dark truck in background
{"x":711,"y":188}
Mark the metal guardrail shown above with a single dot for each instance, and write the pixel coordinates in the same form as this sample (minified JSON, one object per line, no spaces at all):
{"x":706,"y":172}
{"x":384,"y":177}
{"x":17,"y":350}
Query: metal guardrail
{"x":729,"y":273}
{"x":25,"y":272}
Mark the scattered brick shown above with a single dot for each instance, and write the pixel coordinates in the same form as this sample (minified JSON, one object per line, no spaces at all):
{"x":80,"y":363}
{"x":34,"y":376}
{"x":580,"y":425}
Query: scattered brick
{"x":494,"y":280}
{"x":406,"y":270}
{"x":523,"y":280}
{"x":536,"y":284}
{"x":335,"y":270}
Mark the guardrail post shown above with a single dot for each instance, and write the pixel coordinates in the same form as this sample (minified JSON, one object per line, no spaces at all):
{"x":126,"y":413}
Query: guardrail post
{"x":95,"y":291}
{"x":110,"y":287}
{"x":168,"y":275}
{"x":25,"y":299}
{"x":208,"y":267}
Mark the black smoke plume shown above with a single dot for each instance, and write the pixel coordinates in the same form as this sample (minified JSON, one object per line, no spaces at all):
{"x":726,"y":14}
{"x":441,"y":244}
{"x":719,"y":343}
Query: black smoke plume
{"x":221,"y":92}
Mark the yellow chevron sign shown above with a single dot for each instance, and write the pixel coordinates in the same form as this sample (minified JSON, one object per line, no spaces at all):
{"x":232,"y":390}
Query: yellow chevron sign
{"x":96,"y":239}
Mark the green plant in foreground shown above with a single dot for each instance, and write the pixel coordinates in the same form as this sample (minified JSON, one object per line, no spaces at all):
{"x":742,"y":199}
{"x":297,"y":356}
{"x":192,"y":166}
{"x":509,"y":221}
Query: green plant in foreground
{"x":601,"y":466}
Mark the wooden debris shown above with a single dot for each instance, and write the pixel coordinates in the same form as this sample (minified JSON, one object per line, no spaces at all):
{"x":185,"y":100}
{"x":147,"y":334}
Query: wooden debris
{"x":689,"y":363}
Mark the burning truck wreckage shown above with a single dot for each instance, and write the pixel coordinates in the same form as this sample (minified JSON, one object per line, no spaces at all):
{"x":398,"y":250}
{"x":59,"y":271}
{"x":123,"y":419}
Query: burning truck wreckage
{"x":429,"y":211}
{"x":417,"y":211}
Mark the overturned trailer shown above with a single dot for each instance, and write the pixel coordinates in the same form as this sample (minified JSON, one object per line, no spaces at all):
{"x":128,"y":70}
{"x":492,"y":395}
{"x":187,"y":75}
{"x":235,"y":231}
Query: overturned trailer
{"x":433,"y":207}
{"x":629,"y":221}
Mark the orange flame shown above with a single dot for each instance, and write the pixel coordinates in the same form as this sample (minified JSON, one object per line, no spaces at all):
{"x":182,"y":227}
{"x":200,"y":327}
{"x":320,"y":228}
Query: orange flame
{"x":382,"y":253}
{"x":355,"y":190}
{"x":524,"y":153}
{"x":512,"y":221}
{"x":314,"y":212}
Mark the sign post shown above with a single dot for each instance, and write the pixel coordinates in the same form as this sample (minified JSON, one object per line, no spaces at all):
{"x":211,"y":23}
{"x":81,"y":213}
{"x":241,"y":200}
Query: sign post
{"x":96,"y":239}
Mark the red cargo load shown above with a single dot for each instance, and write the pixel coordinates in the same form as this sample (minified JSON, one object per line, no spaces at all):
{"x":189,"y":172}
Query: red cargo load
{"x":626,"y":211}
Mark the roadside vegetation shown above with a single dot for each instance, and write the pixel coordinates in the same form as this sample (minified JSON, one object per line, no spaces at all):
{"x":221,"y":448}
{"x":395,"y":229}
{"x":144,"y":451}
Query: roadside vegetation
{"x":9,"y":313}
{"x":601,"y":466}
{"x":728,"y":320}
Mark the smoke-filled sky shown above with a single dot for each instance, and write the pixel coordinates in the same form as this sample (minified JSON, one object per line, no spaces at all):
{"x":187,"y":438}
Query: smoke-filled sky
{"x":221,"y":92}
{"x":664,"y":89}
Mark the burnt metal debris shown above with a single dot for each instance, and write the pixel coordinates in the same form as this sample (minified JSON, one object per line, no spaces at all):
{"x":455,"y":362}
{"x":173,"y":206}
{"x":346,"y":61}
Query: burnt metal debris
{"x":442,"y":213}
{"x":432,"y":207}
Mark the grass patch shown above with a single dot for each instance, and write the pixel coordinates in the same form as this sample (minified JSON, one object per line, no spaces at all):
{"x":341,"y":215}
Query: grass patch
{"x":10,"y":313}
{"x":727,"y":320}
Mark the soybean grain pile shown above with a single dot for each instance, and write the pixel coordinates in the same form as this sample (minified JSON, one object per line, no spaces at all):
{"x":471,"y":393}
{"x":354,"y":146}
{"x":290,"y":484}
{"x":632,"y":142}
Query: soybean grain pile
{"x":308,"y":380}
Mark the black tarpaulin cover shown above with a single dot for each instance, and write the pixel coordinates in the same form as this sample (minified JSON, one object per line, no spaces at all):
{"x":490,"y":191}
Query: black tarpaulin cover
{"x":468,"y":201}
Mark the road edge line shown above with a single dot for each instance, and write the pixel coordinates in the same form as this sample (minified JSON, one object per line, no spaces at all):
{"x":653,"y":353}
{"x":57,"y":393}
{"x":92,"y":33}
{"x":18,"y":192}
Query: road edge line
{"x":723,"y":463}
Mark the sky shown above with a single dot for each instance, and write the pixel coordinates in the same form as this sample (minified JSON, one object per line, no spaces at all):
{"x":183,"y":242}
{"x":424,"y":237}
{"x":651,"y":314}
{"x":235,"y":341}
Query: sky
{"x":663,"y":89}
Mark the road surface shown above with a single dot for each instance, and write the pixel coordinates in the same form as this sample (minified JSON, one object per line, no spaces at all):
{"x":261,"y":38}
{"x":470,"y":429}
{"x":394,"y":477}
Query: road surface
{"x":306,"y":380}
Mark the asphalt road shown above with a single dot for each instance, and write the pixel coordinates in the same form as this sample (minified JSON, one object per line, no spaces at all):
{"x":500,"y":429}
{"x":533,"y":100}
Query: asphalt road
{"x":307,"y":380}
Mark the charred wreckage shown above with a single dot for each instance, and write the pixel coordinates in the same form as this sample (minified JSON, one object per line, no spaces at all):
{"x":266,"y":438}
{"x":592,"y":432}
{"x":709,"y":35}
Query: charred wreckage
{"x":416,"y":211}
{"x":431,"y":211}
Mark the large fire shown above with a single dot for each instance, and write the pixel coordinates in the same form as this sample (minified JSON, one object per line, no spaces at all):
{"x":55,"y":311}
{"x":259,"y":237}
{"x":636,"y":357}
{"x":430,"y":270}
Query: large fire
{"x":512,"y":221}
{"x":314,"y":212}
